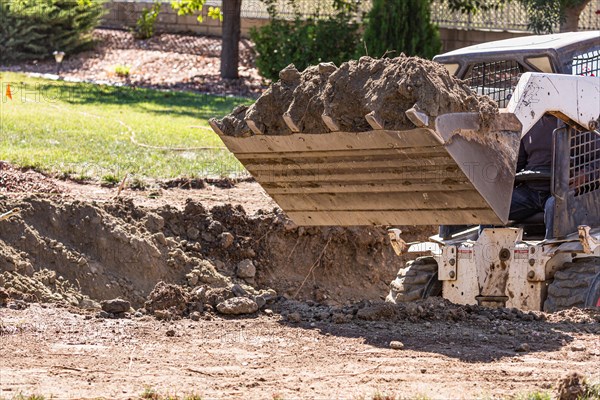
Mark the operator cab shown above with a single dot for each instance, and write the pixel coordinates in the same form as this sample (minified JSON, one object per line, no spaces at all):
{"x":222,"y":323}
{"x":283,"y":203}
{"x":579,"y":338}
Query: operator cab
{"x":494,"y":69}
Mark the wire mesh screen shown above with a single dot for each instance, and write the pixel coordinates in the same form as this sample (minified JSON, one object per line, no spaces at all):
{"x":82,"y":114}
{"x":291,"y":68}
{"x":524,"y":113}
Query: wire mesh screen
{"x":587,"y":64}
{"x":584,"y":161}
{"x":495,"y":79}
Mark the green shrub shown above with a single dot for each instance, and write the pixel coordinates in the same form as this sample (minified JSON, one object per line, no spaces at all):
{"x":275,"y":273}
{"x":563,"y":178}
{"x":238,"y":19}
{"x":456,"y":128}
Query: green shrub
{"x":122,"y":70}
{"x":144,"y":26}
{"x":396,"y":26}
{"x":305,"y":42}
{"x":34,"y":29}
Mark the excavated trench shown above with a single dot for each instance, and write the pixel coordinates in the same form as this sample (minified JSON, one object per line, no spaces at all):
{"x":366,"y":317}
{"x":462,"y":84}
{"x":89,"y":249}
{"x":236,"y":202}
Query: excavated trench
{"x":82,"y":253}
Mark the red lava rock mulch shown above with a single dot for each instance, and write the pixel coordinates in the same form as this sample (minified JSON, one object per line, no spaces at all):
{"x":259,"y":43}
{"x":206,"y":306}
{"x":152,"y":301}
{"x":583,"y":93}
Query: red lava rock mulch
{"x":166,"y":61}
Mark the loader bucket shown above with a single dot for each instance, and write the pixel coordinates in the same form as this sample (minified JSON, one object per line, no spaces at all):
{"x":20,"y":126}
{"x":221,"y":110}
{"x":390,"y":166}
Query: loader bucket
{"x":450,"y":171}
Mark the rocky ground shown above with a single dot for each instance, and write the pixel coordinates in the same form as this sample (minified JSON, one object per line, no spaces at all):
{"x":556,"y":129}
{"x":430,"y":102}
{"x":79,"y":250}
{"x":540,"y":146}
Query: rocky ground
{"x":165,"y":61}
{"x":214,"y":291}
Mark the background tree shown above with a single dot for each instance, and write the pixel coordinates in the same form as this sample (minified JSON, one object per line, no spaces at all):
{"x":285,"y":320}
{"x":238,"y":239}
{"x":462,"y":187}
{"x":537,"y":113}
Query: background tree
{"x":544,"y":15}
{"x":401,"y":26}
{"x":230,"y":14}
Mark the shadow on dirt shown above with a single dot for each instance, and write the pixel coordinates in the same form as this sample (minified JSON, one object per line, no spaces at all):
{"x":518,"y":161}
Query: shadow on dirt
{"x":467,"y":333}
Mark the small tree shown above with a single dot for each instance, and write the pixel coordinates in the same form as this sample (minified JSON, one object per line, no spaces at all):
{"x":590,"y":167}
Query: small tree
{"x":544,"y":15}
{"x":401,"y":26}
{"x":230,"y":14}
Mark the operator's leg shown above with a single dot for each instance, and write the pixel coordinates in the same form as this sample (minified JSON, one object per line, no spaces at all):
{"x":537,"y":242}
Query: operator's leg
{"x":549,"y":217}
{"x":524,"y":203}
{"x":446,"y":231}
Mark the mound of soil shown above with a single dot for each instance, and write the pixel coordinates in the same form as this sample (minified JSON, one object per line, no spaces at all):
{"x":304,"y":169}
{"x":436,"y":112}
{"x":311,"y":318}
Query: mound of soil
{"x":383,"y":88}
{"x":177,"y":261}
{"x":267,"y":111}
{"x":572,"y":387}
{"x":14,"y":180}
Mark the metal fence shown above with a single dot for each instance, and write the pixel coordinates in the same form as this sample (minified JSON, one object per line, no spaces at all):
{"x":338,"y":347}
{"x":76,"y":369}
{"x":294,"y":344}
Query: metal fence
{"x":512,"y":16}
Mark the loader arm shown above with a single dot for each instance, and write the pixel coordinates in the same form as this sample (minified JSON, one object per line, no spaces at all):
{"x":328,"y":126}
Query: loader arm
{"x":573,"y":99}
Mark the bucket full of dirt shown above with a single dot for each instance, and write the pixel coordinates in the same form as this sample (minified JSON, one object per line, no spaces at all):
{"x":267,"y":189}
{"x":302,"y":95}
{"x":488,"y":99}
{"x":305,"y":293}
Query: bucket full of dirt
{"x":378,"y":142}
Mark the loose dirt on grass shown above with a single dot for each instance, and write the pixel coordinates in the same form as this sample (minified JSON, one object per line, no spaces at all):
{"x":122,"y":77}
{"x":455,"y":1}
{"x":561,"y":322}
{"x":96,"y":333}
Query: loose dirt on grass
{"x":222,"y":296}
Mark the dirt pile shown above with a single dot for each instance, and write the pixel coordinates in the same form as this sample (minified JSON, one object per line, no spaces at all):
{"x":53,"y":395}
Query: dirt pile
{"x":172,"y":262}
{"x":381,"y":88}
{"x":430,"y":309}
{"x":504,"y":322}
{"x":14,"y":180}
{"x":574,"y":386}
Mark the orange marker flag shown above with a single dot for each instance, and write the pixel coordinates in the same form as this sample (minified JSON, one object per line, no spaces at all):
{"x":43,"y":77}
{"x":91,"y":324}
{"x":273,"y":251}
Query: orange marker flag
{"x":8,"y":92}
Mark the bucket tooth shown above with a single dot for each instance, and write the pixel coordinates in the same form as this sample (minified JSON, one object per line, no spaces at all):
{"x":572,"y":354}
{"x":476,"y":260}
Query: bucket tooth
{"x":449,"y":172}
{"x":290,"y":123}
{"x":215,"y":127}
{"x":333,"y":127}
{"x":420,"y":119}
{"x":254,"y":127}
{"x":373,"y":120}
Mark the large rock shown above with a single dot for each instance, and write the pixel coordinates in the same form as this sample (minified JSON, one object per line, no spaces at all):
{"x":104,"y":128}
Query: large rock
{"x":115,"y":306}
{"x":237,"y":306}
{"x":246,"y":269}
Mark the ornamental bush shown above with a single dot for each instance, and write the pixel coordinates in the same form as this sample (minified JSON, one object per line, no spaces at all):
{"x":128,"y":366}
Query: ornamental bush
{"x":34,"y":29}
{"x":307,"y":41}
{"x":401,"y":26}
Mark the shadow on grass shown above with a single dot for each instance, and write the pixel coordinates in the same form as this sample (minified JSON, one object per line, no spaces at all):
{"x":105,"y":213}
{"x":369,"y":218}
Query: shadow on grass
{"x":154,"y":101}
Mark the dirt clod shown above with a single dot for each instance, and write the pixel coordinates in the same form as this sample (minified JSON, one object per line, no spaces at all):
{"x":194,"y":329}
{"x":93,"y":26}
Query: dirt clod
{"x":3,"y":297}
{"x":167,"y":297}
{"x":396,"y":345}
{"x":246,"y":269}
{"x":237,"y":306}
{"x":294,"y":317}
{"x":377,"y":312}
{"x":578,"y":347}
{"x":523,"y":348}
{"x":13,"y":180}
{"x":571,"y":387}
{"x":115,"y":306}
{"x":267,"y":112}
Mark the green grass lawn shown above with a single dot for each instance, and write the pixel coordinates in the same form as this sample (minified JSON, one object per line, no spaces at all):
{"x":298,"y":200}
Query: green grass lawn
{"x":85,"y":131}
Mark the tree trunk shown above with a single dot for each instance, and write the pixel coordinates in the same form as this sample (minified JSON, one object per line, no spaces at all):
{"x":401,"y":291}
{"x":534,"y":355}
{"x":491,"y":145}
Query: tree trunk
{"x":571,"y":16}
{"x":232,"y":10}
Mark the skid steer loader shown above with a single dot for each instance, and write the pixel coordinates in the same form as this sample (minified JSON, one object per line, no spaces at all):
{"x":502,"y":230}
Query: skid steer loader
{"x":445,"y":171}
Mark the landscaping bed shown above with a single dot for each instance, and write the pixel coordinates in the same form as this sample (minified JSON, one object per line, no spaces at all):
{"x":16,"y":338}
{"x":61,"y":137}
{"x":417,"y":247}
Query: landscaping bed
{"x":166,"y":61}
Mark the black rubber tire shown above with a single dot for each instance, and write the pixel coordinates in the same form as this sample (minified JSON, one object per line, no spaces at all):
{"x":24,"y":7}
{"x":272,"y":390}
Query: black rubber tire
{"x":418,"y":280}
{"x":576,"y":284}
